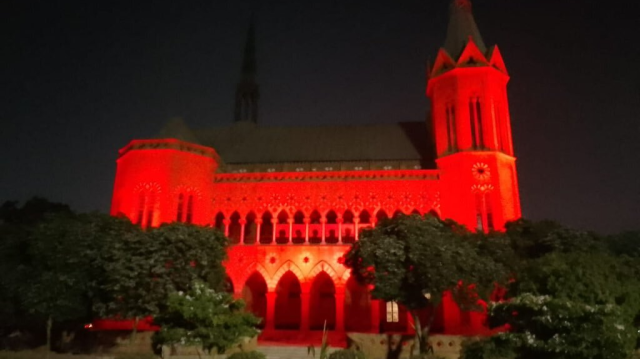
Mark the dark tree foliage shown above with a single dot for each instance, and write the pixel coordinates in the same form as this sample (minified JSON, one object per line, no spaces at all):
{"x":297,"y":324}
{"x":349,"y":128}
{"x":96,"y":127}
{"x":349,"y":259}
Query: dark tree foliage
{"x":140,"y":271}
{"x":414,"y":260}
{"x":17,"y":225}
{"x":60,"y":267}
{"x":572,"y":297}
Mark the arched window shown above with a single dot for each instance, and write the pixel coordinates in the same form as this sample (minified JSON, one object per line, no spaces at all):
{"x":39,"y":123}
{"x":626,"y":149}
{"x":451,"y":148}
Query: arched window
{"x":283,"y":217}
{"x":250,"y":229}
{"x":184,"y":211}
{"x":484,"y":212}
{"x":315,"y":228}
{"x":347,"y":217}
{"x":398,"y":213}
{"x":315,"y":217}
{"x":146,"y":208}
{"x":235,"y":227}
{"x":282,"y":229}
{"x":348,"y":228}
{"x":219,"y":221}
{"x":266,"y":228}
{"x":475,"y":119}
{"x":331,"y":228}
{"x":365,"y":217}
{"x":180,"y":205}
{"x":452,"y":144}
{"x":381,"y":216}
{"x":299,"y":228}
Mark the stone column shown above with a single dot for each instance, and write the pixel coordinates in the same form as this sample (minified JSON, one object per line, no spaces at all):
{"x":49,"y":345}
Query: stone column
{"x":226,"y":222}
{"x":290,"y":220}
{"x":375,"y":316}
{"x":339,"y":221}
{"x":306,"y":229}
{"x":356,"y":227}
{"x":274,"y":222}
{"x":323,"y":221}
{"x":270,"y":320}
{"x":305,"y":298}
{"x":242,"y":222}
{"x":340,"y":310}
{"x":258,"y":225}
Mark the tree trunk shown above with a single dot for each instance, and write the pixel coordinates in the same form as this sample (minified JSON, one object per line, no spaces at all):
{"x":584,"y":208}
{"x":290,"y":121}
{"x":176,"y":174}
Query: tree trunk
{"x":136,"y":320}
{"x":422,"y":335}
{"x":49,"y":325}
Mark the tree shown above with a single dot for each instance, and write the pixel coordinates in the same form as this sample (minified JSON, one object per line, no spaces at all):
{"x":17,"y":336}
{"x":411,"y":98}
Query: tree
{"x":17,"y":224}
{"x":204,"y":317}
{"x":141,"y":269}
{"x":57,"y":278}
{"x":571,"y":298}
{"x":414,"y":260}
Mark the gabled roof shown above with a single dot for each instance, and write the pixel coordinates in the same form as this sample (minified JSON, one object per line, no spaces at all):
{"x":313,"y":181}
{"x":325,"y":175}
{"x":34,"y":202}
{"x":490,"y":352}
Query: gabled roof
{"x":245,"y":142}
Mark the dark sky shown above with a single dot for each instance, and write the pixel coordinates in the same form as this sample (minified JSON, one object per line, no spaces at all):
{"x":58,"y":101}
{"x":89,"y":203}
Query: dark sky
{"x":81,"y":79}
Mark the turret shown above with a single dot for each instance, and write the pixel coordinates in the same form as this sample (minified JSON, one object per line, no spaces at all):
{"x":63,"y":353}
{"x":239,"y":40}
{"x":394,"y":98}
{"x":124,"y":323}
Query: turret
{"x":165,"y":180}
{"x":470,"y":118}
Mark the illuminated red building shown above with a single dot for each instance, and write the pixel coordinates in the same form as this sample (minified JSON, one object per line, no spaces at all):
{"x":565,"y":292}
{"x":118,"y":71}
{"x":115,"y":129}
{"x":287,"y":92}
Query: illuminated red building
{"x":293,"y":199}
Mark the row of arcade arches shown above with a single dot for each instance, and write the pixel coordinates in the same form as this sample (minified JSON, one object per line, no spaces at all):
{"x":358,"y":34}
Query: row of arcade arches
{"x":344,"y":305}
{"x":300,"y":227}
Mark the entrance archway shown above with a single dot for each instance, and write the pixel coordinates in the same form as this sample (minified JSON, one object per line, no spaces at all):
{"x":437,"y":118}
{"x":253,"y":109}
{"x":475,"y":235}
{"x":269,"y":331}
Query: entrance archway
{"x":323,"y":303}
{"x":357,"y":307}
{"x":288,"y":303}
{"x":254,"y":294}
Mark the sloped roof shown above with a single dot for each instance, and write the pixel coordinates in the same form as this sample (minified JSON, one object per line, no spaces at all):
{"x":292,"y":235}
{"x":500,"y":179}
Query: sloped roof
{"x":462,"y":26}
{"x":245,"y":142}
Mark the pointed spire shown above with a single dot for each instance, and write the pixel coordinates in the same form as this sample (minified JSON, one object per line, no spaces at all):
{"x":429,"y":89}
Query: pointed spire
{"x":249,"y":60}
{"x":462,"y":28}
{"x":247,"y":92}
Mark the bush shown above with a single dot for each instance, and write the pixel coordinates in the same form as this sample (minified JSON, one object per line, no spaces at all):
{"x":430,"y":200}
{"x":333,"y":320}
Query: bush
{"x":347,"y":354}
{"x":247,"y":355}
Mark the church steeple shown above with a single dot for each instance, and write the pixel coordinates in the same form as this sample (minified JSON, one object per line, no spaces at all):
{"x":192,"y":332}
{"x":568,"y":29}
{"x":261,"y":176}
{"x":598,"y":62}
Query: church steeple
{"x":470,"y":116}
{"x":462,"y":27}
{"x":247,"y":91}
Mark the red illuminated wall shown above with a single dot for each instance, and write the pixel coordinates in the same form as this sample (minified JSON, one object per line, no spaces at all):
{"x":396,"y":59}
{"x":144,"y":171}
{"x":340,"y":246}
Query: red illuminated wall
{"x":291,"y":229}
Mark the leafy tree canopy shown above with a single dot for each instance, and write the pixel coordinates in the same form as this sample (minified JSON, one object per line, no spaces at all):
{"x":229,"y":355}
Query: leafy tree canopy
{"x":414,"y":260}
{"x":204,"y":317}
{"x":572,"y":298}
{"x":411,"y":256}
{"x":143,"y":268}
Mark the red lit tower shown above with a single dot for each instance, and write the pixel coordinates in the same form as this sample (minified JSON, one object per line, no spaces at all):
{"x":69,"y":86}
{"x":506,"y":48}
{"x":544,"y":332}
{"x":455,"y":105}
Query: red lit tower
{"x":470,"y":116}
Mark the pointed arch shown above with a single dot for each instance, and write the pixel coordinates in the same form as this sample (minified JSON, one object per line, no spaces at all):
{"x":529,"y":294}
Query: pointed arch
{"x":323,"y":266}
{"x":323,"y":301}
{"x":254,"y":293}
{"x":357,"y":306}
{"x":381,"y":215}
{"x":288,"y":306}
{"x":364,"y":216}
{"x":235,"y":228}
{"x":218,"y":221}
{"x":284,"y":268}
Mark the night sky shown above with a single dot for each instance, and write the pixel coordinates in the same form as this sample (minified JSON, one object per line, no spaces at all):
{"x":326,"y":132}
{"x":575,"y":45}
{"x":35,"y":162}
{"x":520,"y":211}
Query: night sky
{"x":81,"y":79}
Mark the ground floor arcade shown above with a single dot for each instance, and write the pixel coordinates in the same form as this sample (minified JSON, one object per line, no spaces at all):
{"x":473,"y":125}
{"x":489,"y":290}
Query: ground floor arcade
{"x":299,"y":289}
